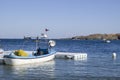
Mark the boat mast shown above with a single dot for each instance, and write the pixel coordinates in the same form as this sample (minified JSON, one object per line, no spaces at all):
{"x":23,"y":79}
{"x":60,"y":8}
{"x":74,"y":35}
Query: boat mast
{"x":44,"y":36}
{"x":37,"y":42}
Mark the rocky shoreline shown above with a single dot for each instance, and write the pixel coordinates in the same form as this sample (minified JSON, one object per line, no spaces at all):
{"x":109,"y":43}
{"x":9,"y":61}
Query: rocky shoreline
{"x":98,"y":37}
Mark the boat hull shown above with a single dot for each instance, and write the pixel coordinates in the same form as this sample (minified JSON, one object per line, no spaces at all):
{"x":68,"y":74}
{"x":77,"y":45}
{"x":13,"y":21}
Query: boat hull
{"x":17,"y":61}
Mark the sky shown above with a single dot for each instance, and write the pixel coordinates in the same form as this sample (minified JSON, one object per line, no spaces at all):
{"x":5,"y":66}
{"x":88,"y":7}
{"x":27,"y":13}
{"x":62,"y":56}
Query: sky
{"x":63,"y":18}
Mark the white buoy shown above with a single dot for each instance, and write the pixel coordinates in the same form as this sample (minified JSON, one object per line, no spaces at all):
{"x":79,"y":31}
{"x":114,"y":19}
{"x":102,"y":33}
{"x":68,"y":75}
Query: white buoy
{"x":114,"y":55}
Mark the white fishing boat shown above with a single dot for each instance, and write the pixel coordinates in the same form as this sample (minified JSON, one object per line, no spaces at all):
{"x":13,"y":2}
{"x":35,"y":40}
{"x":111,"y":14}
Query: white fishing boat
{"x":19,"y":57}
{"x":13,"y":59}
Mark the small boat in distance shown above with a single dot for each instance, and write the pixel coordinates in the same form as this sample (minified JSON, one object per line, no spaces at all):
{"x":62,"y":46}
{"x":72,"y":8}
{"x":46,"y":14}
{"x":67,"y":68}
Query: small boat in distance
{"x":42,"y":54}
{"x":106,"y":41}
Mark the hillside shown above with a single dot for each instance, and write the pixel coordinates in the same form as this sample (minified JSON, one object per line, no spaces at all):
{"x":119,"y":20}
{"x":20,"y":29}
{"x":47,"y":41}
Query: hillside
{"x":99,"y":37}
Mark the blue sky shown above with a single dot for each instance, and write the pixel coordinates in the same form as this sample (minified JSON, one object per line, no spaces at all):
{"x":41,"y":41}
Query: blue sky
{"x":64,"y":18}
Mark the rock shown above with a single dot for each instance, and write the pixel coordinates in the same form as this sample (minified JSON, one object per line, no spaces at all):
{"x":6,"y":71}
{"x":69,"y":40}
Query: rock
{"x":99,"y":37}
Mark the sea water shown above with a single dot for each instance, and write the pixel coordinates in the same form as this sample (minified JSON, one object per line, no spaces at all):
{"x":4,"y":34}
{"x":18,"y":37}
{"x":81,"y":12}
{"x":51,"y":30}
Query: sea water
{"x":99,"y":64}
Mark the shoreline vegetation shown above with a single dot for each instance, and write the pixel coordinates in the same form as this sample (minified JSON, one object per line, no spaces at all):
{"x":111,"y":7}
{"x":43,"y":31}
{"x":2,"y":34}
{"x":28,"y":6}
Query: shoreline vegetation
{"x":98,"y":37}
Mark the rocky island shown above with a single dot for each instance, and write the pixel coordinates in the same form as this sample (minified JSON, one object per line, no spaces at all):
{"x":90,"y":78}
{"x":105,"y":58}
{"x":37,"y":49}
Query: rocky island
{"x":98,"y":37}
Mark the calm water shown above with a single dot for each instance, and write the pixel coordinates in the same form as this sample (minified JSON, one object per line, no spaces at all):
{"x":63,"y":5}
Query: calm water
{"x":98,"y":66}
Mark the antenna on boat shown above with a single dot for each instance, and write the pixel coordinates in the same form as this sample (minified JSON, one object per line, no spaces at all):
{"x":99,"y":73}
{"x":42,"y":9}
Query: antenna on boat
{"x":44,"y":35}
{"x":46,"y":30}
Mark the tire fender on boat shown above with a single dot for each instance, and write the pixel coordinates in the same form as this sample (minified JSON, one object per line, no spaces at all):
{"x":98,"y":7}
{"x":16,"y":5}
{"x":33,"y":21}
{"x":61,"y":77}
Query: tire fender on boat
{"x":52,"y":43}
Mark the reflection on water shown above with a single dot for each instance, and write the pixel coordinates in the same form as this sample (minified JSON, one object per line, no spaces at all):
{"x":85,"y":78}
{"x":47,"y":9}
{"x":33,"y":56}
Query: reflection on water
{"x":29,"y":72}
{"x":69,"y":69}
{"x":62,"y":69}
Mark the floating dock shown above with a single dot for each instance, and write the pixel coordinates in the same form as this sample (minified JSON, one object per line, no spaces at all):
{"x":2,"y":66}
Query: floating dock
{"x":68,"y":55}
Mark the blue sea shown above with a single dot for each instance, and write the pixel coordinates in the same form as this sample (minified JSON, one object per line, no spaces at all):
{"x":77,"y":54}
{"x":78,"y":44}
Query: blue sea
{"x":99,"y":64}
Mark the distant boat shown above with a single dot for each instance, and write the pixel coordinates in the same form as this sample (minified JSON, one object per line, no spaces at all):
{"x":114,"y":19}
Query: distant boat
{"x":107,"y":41}
{"x":27,"y":37}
